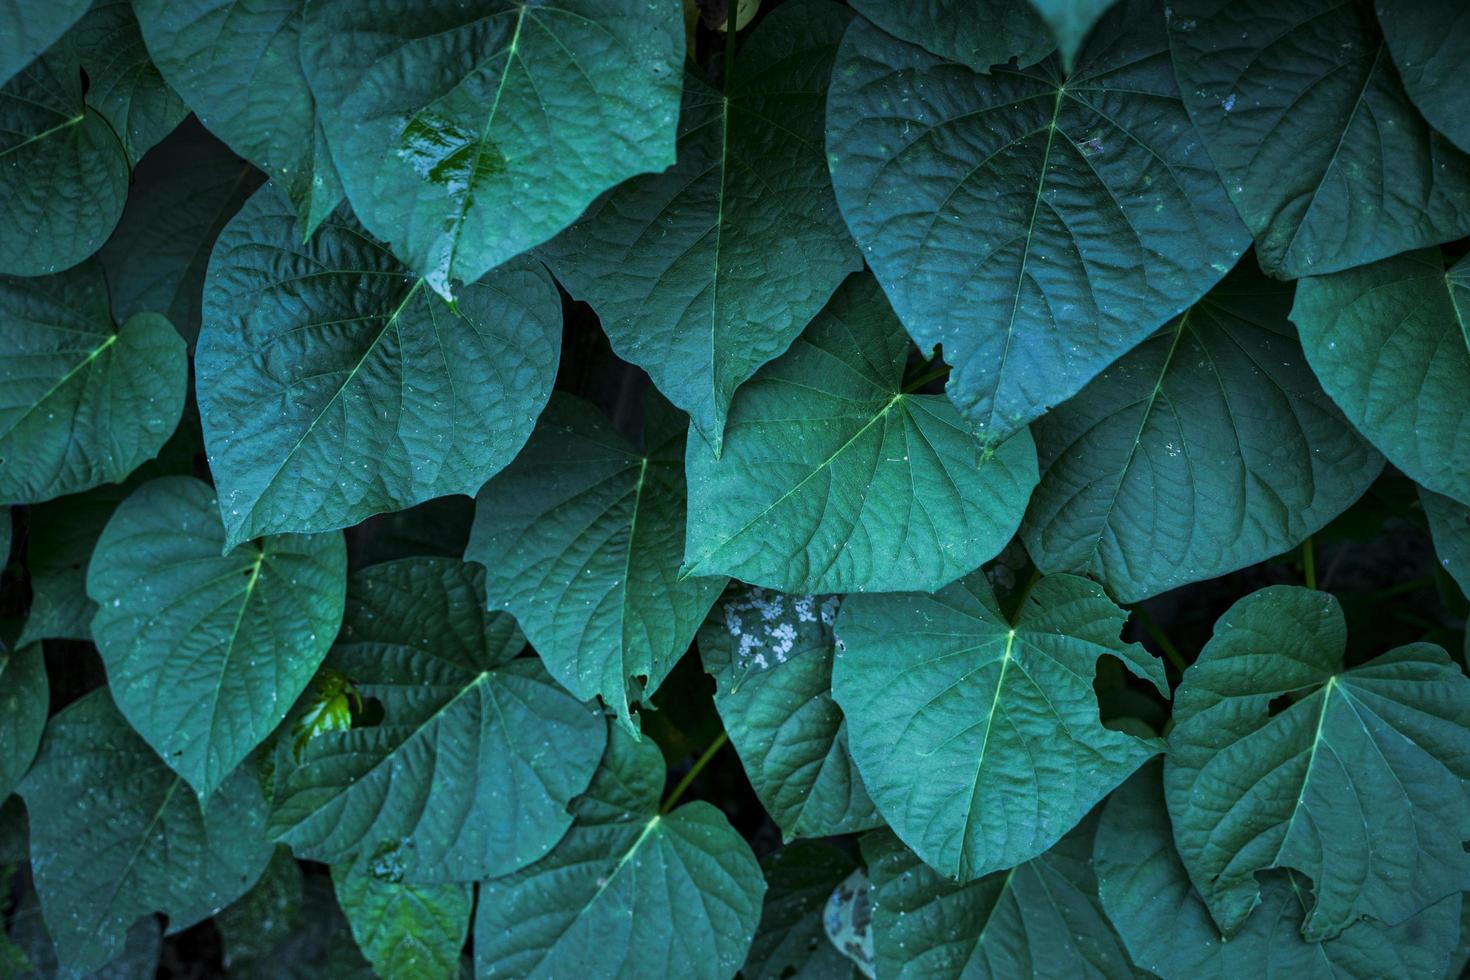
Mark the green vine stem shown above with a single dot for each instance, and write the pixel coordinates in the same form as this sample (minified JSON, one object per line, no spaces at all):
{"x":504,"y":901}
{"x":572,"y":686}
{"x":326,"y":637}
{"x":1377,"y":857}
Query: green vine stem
{"x":694,"y":771}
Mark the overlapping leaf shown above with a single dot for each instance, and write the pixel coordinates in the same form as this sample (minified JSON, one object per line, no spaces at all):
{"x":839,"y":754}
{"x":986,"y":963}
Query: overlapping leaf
{"x":706,"y":271}
{"x":631,"y":890}
{"x":334,"y":385}
{"x":406,"y":931}
{"x":1034,"y":223}
{"x":1301,"y":110}
{"x":579,"y":538}
{"x":1358,"y":782}
{"x":1209,"y":447}
{"x":791,"y":940}
{"x":1430,"y":42}
{"x":1070,"y":21}
{"x":1449,"y":522}
{"x":465,"y":135}
{"x":25,"y":694}
{"x":31,"y":28}
{"x":477,"y":754}
{"x":835,"y":479}
{"x":123,"y":837}
{"x":975,"y":34}
{"x":978,"y":735}
{"x":82,"y":401}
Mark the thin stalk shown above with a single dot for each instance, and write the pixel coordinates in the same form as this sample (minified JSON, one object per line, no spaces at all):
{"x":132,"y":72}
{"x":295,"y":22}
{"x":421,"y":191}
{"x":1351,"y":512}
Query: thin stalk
{"x":1309,"y":564}
{"x":1021,"y":594}
{"x":933,"y":374}
{"x":694,"y":771}
{"x":1162,"y":639}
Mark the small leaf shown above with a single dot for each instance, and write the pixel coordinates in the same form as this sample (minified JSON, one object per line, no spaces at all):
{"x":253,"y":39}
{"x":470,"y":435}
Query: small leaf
{"x":836,"y":479}
{"x":115,"y":835}
{"x":465,"y":135}
{"x":469,"y":771}
{"x":977,"y":35}
{"x":579,"y":538}
{"x":791,"y":941}
{"x":1449,"y":522}
{"x":978,"y":736}
{"x":1357,"y":783}
{"x":409,"y":931}
{"x":25,"y":699}
{"x":1430,"y":42}
{"x":633,"y":891}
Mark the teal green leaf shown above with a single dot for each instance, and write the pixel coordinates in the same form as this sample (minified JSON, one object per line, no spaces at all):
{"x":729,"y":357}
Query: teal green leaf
{"x":835,"y":479}
{"x":949,"y":704}
{"x":1070,"y":21}
{"x":1209,"y":447}
{"x":407,"y":932}
{"x":1040,"y":919}
{"x":704,"y":272}
{"x":206,"y":652}
{"x":848,"y":922}
{"x":1036,"y":224}
{"x":62,"y":536}
{"x":976,"y":35}
{"x":263,"y":917}
{"x":770,"y":655}
{"x":791,"y":941}
{"x":1449,"y":522}
{"x":1169,"y":932}
{"x":580,"y":541}
{"x":633,"y":891}
{"x":465,"y":135}
{"x":471,"y":768}
{"x":139,"y":956}
{"x":25,"y":698}
{"x":1357,"y":783}
{"x":1430,"y":43}
{"x":82,"y":401}
{"x":181,"y":197}
{"x":115,"y":835}
{"x":333,"y":385}
{"x":1391,"y":344}
{"x":1302,"y":111}
{"x":30,"y":28}
{"x":237,"y":63}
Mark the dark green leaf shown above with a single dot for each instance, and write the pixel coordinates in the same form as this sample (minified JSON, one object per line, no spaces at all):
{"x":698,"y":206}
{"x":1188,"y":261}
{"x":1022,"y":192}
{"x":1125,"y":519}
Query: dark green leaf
{"x":289,"y":927}
{"x":82,"y":401}
{"x":115,"y":835}
{"x":238,"y":65}
{"x":470,"y":770}
{"x":1391,"y":343}
{"x":1209,"y":447}
{"x":139,"y":956}
{"x":1430,"y":44}
{"x":580,"y":539}
{"x":1449,"y":522}
{"x":771,"y":657}
{"x":1035,"y":224}
{"x":405,"y":930}
{"x":1358,"y":782}
{"x":978,"y":736}
{"x":1168,"y":929}
{"x":334,"y":385}
{"x":207,"y":652}
{"x":62,"y":535}
{"x":629,"y":892}
{"x":466,"y":134}
{"x":30,"y":28}
{"x":791,"y":942}
{"x":835,"y":479}
{"x":1301,"y":109}
{"x":1040,"y":919}
{"x":263,"y":918}
{"x":974,"y":33}
{"x":25,"y":697}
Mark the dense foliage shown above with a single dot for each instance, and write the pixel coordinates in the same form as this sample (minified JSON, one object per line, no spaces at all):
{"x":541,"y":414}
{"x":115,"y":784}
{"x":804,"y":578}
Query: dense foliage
{"x":972,"y":488}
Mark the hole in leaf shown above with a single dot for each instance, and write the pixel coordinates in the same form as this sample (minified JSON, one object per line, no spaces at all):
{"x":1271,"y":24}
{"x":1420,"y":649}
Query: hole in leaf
{"x":1279,"y":704}
{"x":372,"y":714}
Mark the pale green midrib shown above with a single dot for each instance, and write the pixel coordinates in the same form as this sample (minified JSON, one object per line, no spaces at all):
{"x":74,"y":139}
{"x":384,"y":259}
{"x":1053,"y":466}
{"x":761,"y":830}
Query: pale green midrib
{"x":714,"y":304}
{"x":224,"y":666}
{"x":623,"y":585}
{"x":690,"y":569}
{"x":1296,"y":809}
{"x":1005,"y":663}
{"x":133,"y":858}
{"x":64,"y":124}
{"x":1455,"y":306}
{"x":61,"y":383}
{"x":1000,"y":895}
{"x":612,"y":875}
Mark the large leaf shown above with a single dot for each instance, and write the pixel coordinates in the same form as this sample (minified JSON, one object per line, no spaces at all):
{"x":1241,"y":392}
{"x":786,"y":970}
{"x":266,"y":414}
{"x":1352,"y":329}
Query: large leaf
{"x":72,"y":123}
{"x":580,"y":540}
{"x":630,"y":891}
{"x":977,"y":735}
{"x":1209,"y":447}
{"x":771,"y":657}
{"x":1358,"y":782}
{"x":1035,"y":224}
{"x":206,"y":652}
{"x":1391,"y":343}
{"x":1449,"y":522}
{"x":183,"y":193}
{"x":407,"y":931}
{"x":1169,"y":932}
{"x":791,"y":941}
{"x":974,"y":33}
{"x":1430,"y":42}
{"x":115,"y":835}
{"x":31,"y":28}
{"x":237,"y":63}
{"x":1040,"y":919}
{"x":466,"y":134}
{"x":704,"y":272}
{"x":25,"y":697}
{"x":835,"y":479}
{"x":82,"y":401}
{"x":334,"y":385}
{"x":469,"y":772}
{"x":1301,"y":109}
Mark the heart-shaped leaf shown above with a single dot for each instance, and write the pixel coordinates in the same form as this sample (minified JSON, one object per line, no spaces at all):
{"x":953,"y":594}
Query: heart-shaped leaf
{"x":405,"y":930}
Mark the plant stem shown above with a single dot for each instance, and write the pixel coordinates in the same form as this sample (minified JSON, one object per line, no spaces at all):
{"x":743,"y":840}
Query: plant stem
{"x":1021,"y":594}
{"x":694,"y":770}
{"x":1309,"y":563}
{"x":934,"y":374}
{"x":1165,"y":644}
